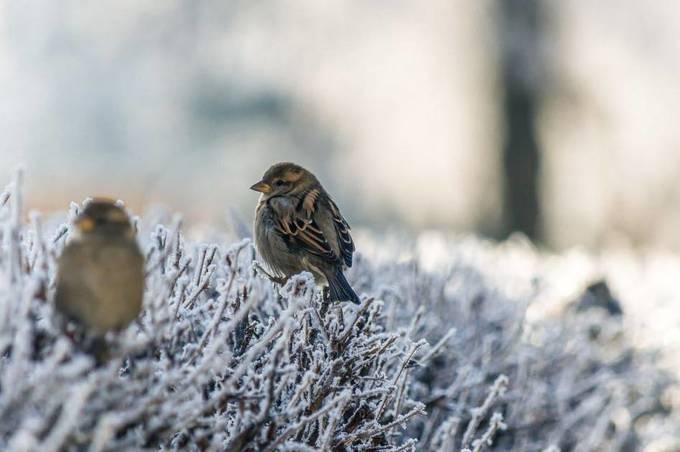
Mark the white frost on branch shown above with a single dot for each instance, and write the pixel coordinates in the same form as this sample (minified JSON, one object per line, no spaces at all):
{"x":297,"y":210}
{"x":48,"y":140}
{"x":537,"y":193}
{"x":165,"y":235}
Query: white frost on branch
{"x":223,"y":359}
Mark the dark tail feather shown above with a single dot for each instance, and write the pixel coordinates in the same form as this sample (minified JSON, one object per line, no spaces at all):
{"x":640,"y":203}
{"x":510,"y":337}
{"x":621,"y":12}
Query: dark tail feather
{"x":340,"y":290}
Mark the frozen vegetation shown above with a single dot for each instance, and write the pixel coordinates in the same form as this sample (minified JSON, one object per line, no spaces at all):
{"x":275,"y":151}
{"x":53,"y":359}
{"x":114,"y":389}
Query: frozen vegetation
{"x":458,"y":345}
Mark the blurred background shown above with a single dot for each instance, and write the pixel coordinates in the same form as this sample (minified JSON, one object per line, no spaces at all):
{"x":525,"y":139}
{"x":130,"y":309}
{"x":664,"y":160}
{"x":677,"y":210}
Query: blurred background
{"x":557,"y":119}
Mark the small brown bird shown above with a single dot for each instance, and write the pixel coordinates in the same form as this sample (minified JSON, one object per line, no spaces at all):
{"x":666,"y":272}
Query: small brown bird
{"x":299,"y":228}
{"x":100,"y":276}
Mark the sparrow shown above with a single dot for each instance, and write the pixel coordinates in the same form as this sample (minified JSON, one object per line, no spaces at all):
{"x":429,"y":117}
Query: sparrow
{"x":100,"y":274}
{"x":299,"y":228}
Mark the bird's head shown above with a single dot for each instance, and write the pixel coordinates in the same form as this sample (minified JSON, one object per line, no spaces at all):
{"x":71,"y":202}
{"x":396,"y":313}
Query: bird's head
{"x":103,"y":217}
{"x":285,"y":179}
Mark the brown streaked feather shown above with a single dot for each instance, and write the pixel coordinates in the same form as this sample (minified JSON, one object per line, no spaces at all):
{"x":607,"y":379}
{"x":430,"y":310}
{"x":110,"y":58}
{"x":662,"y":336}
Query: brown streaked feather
{"x":344,"y":237}
{"x":309,"y":201}
{"x":301,"y":227}
{"x":309,"y":235}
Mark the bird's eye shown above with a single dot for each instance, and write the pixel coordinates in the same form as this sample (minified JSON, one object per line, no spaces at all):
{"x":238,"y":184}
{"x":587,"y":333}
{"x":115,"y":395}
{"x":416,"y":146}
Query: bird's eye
{"x":279,"y":183}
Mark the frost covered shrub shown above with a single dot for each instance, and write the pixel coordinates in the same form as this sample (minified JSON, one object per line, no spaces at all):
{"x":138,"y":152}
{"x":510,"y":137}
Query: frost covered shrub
{"x":222,"y":359}
{"x":572,"y":382}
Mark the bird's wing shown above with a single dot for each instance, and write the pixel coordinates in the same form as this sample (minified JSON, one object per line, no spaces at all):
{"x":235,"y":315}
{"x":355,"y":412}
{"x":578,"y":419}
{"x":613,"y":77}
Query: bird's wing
{"x":299,"y":226}
{"x":342,"y":231}
{"x":316,"y":225}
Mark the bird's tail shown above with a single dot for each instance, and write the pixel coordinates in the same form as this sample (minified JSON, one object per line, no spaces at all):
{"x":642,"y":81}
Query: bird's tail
{"x":340,"y":290}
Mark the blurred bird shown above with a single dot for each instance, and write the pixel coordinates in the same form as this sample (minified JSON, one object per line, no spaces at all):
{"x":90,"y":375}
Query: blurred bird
{"x":299,"y":228}
{"x":100,"y":276}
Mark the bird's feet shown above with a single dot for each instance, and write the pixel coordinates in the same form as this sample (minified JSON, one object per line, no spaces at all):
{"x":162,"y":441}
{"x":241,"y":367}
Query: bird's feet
{"x":275,"y":279}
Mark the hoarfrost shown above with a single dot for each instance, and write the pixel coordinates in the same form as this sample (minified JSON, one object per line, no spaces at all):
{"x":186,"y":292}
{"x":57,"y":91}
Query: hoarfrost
{"x":222,"y":359}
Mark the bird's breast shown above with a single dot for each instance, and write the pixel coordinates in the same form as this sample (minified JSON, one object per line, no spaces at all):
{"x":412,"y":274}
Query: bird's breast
{"x":265,"y":217}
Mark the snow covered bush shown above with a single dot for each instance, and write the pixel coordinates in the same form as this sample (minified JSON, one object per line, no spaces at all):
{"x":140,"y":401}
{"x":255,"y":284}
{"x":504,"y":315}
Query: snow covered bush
{"x":222,"y":359}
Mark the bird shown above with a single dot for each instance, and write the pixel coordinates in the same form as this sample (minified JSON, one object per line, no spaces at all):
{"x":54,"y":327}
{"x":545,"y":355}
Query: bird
{"x":298,"y":227}
{"x":100,"y":272}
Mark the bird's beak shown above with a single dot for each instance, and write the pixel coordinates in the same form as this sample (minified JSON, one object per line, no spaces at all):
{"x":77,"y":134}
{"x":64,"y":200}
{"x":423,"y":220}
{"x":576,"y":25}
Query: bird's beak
{"x":262,"y":187}
{"x":84,"y":223}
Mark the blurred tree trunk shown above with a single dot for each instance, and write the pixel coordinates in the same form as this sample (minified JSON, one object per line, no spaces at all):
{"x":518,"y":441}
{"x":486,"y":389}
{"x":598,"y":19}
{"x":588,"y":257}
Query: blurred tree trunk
{"x":522,"y":73}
